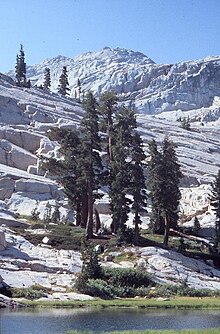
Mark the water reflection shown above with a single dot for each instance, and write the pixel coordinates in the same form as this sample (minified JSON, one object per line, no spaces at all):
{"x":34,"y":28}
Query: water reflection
{"x":59,"y":321}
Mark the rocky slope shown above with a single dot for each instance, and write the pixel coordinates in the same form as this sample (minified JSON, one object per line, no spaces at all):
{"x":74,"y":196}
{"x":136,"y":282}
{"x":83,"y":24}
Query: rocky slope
{"x":153,"y":88}
{"x":190,"y":88}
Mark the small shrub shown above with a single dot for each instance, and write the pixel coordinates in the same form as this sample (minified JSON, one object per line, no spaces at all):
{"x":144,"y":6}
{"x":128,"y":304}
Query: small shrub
{"x":126,"y":277}
{"x":35,"y":214}
{"x":28,"y":293}
{"x":166,"y":290}
{"x":99,"y":288}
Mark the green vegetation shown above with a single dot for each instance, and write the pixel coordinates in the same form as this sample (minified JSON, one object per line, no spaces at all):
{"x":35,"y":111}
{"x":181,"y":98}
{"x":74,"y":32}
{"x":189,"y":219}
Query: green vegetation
{"x":143,"y":303}
{"x":215,"y":202}
{"x":164,"y":176}
{"x":34,"y":292}
{"x":67,"y":237}
{"x":109,"y":282}
{"x":185,"y":123}
{"x":149,"y":331}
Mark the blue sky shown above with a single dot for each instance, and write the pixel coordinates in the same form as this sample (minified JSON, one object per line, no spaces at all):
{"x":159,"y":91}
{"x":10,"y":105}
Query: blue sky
{"x":167,"y":31}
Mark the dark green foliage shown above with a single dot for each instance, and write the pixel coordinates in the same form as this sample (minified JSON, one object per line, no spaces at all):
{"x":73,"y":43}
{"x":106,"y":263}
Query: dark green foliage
{"x":99,"y":288}
{"x":164,"y":176}
{"x":47,"y":214}
{"x":65,"y":237}
{"x":122,"y":277}
{"x":34,"y":292}
{"x":67,"y":171}
{"x":126,"y":172}
{"x":168,"y":290}
{"x":20,"y":69}
{"x":80,"y":169}
{"x":107,"y":108}
{"x":89,"y":161}
{"x":138,"y":185}
{"x":196,"y":225}
{"x":78,"y":91}
{"x":119,"y":184}
{"x":155,"y":181}
{"x":55,"y":217}
{"x":117,"y":282}
{"x":35,"y":214}
{"x":215,"y":203}
{"x":63,"y":87}
{"x":124,"y":164}
{"x":91,"y":268}
{"x":47,"y":81}
{"x":185,"y":123}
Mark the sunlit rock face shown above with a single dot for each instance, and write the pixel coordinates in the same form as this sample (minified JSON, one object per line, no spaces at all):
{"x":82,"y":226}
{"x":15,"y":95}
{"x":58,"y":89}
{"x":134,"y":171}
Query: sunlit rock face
{"x":154,"y":88}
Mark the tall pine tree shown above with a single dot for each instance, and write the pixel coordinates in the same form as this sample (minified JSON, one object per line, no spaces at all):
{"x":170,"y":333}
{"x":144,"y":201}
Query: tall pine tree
{"x":63,"y":87}
{"x":164,"y":176}
{"x":107,"y":108}
{"x":138,"y":182}
{"x":90,"y":162}
{"x":215,"y":203}
{"x":20,"y":69}
{"x":47,"y":80}
{"x":66,"y":169}
{"x":127,"y":181}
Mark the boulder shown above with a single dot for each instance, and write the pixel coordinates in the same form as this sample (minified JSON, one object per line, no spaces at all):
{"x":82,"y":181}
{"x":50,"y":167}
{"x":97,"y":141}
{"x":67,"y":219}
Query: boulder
{"x":23,"y":138}
{"x":32,"y":186}
{"x":3,"y":242}
{"x":8,"y":302}
{"x":14,"y":156}
{"x":7,"y":186}
{"x":10,"y":221}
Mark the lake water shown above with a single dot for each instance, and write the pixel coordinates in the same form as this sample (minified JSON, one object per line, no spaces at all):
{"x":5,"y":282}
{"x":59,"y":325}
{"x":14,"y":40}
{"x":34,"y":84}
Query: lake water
{"x":59,"y":321}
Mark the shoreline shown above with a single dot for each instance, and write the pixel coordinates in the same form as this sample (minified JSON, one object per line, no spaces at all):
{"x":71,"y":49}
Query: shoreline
{"x":171,"y":303}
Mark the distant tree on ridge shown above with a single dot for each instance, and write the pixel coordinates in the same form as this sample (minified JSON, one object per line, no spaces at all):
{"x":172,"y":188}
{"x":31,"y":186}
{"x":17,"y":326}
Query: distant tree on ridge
{"x":47,"y":80}
{"x":63,"y":87}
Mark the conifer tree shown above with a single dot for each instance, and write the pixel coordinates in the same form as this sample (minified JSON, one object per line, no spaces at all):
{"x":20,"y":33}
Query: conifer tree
{"x":55,"y":217}
{"x":119,"y":184}
{"x":91,"y":268}
{"x":47,"y":214}
{"x":185,"y":123}
{"x":79,"y":90}
{"x":126,"y":173}
{"x":67,"y":169}
{"x":196,"y":225}
{"x":90,"y":163}
{"x":47,"y":80}
{"x":155,"y":181}
{"x":63,"y":87}
{"x":80,"y":169}
{"x":120,"y":171}
{"x":164,"y":174}
{"x":138,"y":182}
{"x":170,"y":190}
{"x":215,"y":203}
{"x":107,"y":108}
{"x":20,"y":69}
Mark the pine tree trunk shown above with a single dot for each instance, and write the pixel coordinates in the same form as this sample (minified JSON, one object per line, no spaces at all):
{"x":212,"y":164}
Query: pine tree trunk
{"x":166,"y":231}
{"x":84,"y":211}
{"x":97,"y":221}
{"x":136,"y":229}
{"x":110,"y":140}
{"x":89,"y":225}
{"x":110,"y":148}
{"x":78,"y":214}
